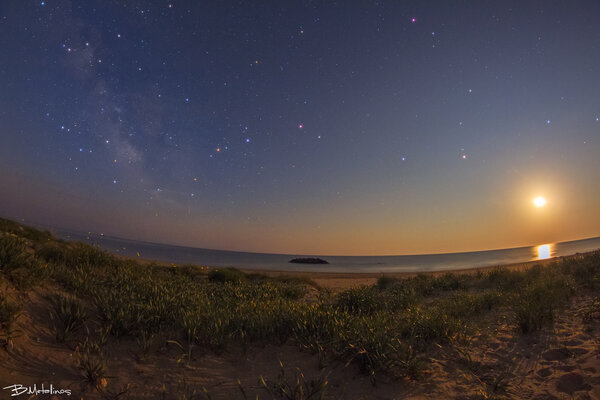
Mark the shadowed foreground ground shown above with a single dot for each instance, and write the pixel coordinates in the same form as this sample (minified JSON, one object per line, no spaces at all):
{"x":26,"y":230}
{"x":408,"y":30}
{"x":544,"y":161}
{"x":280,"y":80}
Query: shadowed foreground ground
{"x":106,"y":327}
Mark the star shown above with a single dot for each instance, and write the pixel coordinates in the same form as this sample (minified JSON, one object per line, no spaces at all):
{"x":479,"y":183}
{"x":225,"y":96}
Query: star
{"x":548,"y":122}
{"x":413,"y":20}
{"x":300,"y":126}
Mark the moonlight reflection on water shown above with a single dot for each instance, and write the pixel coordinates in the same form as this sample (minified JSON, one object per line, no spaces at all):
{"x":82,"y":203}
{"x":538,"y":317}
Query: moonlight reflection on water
{"x":544,"y":251}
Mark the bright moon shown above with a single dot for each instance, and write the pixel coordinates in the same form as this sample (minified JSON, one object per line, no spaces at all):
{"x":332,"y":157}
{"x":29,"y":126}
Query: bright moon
{"x":539,"y":201}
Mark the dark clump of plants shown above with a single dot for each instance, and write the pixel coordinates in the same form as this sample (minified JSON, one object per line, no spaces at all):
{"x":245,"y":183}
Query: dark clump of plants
{"x":74,"y":254}
{"x":385,"y":282}
{"x":17,"y":263}
{"x":293,"y":388}
{"x":229,"y":274}
{"x":536,"y":304}
{"x":24,"y":231}
{"x":91,"y":362}
{"x":69,"y":314}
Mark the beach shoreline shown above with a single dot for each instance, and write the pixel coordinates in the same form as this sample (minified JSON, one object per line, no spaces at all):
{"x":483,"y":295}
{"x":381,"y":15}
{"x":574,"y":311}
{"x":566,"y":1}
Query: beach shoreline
{"x":346,"y":280}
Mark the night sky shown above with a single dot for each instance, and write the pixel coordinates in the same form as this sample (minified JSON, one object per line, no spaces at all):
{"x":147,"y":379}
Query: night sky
{"x":347,"y":127}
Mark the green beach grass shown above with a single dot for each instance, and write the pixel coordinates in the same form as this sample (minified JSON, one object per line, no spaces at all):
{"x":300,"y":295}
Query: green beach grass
{"x":388,"y":328}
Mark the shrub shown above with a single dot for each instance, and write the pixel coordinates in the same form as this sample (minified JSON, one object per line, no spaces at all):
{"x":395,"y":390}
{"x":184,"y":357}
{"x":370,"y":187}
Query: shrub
{"x":54,"y":252}
{"x":297,"y":388}
{"x":189,"y":270}
{"x":385,"y":282}
{"x":584,"y":269}
{"x":228,"y":274}
{"x":535,"y":304}
{"x":466,"y":304}
{"x":450,"y":281}
{"x":83,"y":253}
{"x":291,"y":290}
{"x":503,"y":279}
{"x":20,"y":267}
{"x":361,"y":299}
{"x":70,"y":315}
{"x":13,"y":253}
{"x":421,"y":326}
{"x":26,"y":232}
{"x":422,"y":284}
{"x":374,"y":344}
{"x":92,"y":363}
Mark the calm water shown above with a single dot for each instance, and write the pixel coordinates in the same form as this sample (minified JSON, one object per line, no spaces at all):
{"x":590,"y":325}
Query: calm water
{"x":406,"y":263}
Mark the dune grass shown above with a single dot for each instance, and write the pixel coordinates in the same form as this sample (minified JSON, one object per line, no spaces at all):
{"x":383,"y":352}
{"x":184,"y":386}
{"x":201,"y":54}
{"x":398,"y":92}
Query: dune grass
{"x":69,"y":315}
{"x":296,"y":388}
{"x":17,"y":263}
{"x":390,"y":327}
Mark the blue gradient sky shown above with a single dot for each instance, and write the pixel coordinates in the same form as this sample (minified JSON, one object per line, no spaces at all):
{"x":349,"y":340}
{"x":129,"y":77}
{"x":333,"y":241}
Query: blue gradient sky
{"x":305,"y":127}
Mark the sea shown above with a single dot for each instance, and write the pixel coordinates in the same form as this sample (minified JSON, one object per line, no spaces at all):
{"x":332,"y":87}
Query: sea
{"x":180,"y":255}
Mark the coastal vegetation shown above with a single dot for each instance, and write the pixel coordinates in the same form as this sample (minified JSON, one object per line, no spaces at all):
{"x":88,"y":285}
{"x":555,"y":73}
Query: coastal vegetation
{"x":93,"y":301}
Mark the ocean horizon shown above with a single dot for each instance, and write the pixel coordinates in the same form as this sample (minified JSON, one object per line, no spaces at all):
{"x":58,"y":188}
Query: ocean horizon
{"x":364,"y":264}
